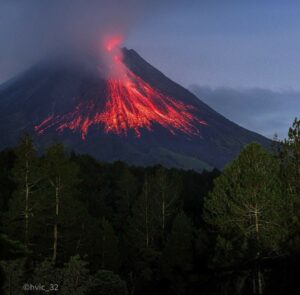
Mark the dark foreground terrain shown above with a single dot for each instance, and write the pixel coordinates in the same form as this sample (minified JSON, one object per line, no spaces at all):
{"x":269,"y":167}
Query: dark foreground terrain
{"x":71,"y":223}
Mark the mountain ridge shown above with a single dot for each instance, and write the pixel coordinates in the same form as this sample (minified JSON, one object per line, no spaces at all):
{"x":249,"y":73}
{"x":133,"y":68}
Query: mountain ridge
{"x":28,"y":99}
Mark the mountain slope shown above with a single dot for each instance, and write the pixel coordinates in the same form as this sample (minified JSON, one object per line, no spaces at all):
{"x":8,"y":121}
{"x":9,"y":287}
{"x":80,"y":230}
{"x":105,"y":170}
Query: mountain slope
{"x":146,"y":120}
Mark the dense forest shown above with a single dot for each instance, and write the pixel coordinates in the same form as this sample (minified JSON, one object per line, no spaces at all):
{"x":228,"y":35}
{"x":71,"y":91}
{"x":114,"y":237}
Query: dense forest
{"x":72,"y":225}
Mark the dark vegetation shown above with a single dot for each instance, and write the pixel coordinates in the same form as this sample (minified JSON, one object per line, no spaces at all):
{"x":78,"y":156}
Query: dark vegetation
{"x":83,"y":227}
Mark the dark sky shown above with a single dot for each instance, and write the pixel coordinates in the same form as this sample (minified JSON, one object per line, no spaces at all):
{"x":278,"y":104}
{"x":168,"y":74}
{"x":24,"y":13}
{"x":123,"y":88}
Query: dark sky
{"x":243,"y":56}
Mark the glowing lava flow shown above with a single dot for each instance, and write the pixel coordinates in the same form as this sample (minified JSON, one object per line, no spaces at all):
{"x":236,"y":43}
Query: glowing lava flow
{"x":130,"y":104}
{"x":136,"y":105}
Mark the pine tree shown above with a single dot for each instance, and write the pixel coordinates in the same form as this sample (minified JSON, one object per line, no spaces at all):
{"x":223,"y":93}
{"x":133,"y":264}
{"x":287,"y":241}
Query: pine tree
{"x":61,"y":180}
{"x":289,"y":154}
{"x":291,"y":162}
{"x":142,"y":254}
{"x":23,"y":204}
{"x":165,"y":196}
{"x":248,"y":209}
{"x":142,"y":222}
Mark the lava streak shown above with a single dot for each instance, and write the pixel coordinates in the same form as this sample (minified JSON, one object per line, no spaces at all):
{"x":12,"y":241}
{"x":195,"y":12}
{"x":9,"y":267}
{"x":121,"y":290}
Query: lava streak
{"x":130,"y":103}
{"x":136,"y":105}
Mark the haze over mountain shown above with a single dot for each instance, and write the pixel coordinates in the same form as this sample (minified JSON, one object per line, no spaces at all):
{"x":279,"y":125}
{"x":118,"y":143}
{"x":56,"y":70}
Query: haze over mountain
{"x":259,"y":109}
{"x":136,"y":115}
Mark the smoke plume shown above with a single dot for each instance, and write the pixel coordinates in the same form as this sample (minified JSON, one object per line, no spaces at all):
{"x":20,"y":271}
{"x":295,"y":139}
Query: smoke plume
{"x":33,"y":29}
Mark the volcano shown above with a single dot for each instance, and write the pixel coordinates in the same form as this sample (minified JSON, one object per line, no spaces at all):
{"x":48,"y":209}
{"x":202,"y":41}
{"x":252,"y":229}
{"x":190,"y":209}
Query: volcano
{"x":134,"y":114}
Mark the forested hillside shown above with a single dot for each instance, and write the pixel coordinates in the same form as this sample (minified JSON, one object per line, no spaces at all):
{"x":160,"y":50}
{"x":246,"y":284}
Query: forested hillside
{"x":72,"y":225}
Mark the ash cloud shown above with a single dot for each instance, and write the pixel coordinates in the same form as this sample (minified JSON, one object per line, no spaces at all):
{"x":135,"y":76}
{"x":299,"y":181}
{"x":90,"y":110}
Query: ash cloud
{"x":33,"y":29}
{"x":262,"y":110}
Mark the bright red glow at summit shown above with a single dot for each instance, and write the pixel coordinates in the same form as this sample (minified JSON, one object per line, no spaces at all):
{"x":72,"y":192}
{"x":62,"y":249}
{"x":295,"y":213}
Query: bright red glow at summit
{"x":112,"y":43}
{"x":130,"y":103}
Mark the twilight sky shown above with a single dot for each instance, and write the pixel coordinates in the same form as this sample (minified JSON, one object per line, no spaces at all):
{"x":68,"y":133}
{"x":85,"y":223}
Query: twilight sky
{"x":225,"y":43}
{"x":241,"y":57}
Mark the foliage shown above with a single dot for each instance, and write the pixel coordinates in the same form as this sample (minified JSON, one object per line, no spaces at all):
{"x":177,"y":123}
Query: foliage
{"x":108,"y":228}
{"x":14,"y":271}
{"x":109,"y":247}
{"x":290,"y":162}
{"x":178,"y":254}
{"x":76,"y":277}
{"x":20,"y":219}
{"x":247,"y":207}
{"x":106,"y":282}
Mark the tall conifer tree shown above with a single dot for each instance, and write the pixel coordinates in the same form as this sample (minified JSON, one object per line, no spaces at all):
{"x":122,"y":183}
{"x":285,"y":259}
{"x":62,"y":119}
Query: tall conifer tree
{"x":27,"y":176}
{"x":61,"y":180}
{"x":248,"y":210}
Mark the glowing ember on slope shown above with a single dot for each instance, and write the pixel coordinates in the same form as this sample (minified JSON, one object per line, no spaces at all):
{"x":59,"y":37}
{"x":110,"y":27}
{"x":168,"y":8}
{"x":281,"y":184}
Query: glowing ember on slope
{"x":130,"y":104}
